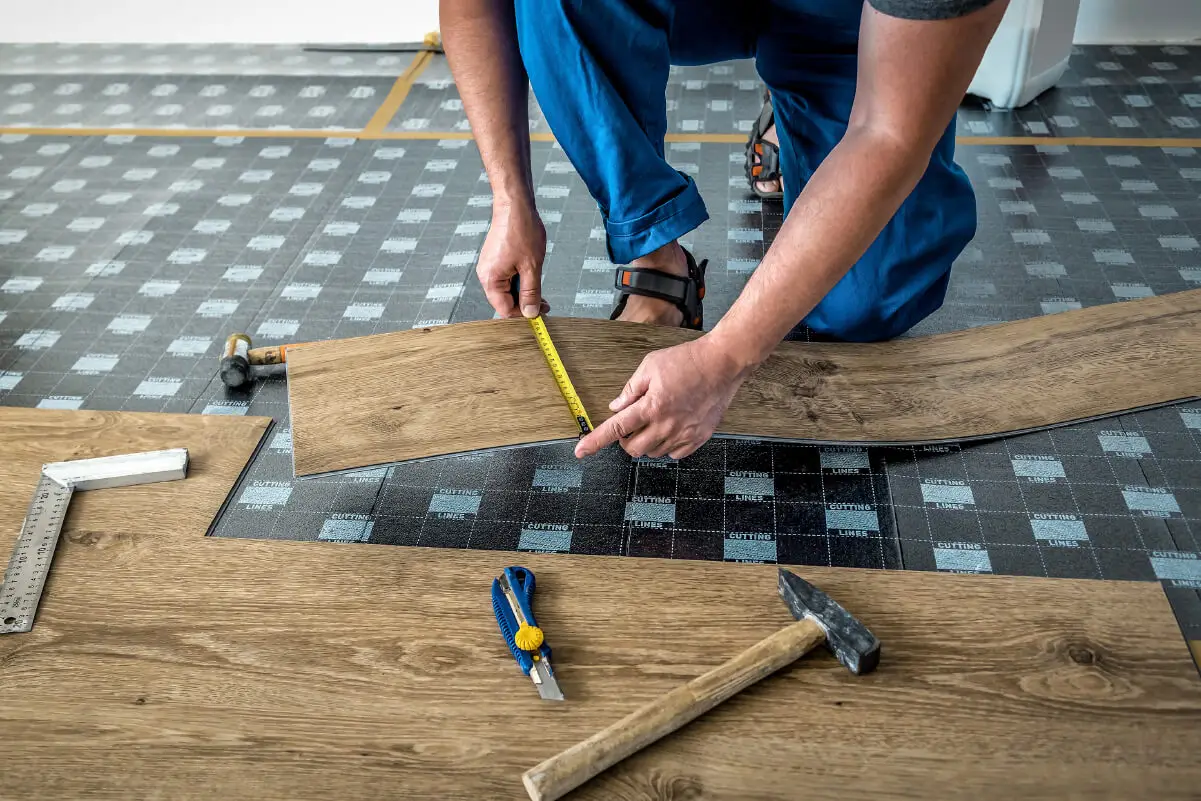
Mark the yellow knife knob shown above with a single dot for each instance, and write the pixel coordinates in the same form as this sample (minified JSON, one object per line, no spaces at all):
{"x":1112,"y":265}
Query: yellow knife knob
{"x":528,"y":638}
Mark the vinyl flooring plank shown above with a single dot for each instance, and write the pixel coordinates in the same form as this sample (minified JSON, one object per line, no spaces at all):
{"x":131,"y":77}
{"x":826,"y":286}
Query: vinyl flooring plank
{"x":219,"y":448}
{"x":167,"y":664}
{"x":194,"y":668}
{"x":476,"y":386}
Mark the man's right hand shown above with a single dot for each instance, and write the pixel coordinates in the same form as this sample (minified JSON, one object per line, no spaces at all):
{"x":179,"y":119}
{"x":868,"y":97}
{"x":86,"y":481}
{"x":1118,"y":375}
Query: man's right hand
{"x":515,"y":245}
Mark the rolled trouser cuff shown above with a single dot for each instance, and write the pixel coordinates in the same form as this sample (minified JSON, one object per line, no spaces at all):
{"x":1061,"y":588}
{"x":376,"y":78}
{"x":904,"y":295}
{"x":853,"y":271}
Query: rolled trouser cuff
{"x":630,"y":239}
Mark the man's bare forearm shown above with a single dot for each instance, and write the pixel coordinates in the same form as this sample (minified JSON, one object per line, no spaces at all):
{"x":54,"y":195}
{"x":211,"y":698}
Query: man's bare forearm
{"x":912,"y":76}
{"x":842,"y":209}
{"x":480,"y":38}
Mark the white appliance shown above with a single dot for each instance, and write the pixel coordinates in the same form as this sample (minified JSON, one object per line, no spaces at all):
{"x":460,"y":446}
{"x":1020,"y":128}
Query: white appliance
{"x":1028,"y":53}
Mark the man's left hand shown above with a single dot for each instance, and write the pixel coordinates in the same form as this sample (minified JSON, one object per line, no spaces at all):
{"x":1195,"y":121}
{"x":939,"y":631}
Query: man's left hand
{"x":672,"y":404}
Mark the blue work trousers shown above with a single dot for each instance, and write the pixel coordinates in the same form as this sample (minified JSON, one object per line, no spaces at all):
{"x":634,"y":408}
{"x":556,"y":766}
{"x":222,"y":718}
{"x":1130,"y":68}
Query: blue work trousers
{"x":599,"y":69}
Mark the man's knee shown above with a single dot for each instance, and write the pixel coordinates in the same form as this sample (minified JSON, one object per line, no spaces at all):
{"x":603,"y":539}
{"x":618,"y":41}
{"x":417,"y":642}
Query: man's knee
{"x":557,"y":8}
{"x":559,"y":38}
{"x":547,"y":16}
{"x":860,"y":318}
{"x":542,"y":25}
{"x":901,"y":280}
{"x":903,"y":276}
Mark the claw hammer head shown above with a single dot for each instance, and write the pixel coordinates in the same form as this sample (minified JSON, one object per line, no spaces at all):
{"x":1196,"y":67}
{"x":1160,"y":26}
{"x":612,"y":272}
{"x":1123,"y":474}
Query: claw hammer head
{"x":235,"y":361}
{"x":849,"y":640}
{"x":240,"y":362}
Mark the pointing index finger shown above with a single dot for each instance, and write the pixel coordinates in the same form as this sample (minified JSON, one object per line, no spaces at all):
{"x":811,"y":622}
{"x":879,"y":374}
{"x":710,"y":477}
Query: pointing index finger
{"x":625,"y":423}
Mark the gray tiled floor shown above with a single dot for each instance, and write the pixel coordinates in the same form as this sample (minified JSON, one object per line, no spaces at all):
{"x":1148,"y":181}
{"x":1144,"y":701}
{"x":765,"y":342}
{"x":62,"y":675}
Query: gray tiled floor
{"x":196,"y":101}
{"x":1139,"y":91}
{"x":126,"y":261}
{"x":121,"y":291}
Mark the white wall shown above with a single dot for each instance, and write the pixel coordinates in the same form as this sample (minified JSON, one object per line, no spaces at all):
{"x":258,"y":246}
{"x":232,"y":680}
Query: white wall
{"x":219,"y":21}
{"x":390,"y":21}
{"x":1138,"y":21}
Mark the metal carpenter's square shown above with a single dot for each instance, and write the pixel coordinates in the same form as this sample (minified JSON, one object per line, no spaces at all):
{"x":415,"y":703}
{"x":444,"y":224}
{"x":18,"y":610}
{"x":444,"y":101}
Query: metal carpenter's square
{"x":30,"y":562}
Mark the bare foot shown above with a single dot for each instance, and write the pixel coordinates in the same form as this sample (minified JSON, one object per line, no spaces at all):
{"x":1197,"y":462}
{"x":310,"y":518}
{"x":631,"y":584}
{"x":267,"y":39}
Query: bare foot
{"x":769,"y":186}
{"x":641,"y":309}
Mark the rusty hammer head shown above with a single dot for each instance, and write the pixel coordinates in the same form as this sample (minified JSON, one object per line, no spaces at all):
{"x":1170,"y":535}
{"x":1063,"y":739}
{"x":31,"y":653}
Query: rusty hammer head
{"x":849,"y":640}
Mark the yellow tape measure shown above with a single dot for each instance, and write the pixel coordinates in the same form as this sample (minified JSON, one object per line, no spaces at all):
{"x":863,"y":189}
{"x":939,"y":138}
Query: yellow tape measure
{"x":542,"y":336}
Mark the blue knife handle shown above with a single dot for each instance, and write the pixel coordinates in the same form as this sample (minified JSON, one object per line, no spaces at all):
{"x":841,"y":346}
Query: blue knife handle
{"x":522,"y":582}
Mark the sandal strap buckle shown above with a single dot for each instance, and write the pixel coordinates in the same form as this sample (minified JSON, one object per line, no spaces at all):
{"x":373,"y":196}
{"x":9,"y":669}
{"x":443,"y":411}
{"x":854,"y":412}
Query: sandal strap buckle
{"x":652,"y":283}
{"x":685,"y":294}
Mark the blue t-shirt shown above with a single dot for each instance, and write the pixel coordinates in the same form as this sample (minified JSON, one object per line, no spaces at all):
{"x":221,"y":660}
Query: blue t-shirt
{"x":928,"y":9}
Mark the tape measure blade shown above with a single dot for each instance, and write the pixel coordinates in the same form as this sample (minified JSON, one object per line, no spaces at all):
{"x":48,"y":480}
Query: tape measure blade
{"x":29,"y":564}
{"x":559,"y":372}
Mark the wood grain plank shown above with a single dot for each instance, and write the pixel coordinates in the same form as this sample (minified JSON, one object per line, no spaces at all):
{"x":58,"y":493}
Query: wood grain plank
{"x":165,"y":664}
{"x":279,"y":670}
{"x":472,"y":386}
{"x":219,"y":447}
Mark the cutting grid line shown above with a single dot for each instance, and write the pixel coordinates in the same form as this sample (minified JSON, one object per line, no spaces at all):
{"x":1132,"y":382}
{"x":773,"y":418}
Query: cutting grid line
{"x":420,"y":520}
{"x":1023,"y":488}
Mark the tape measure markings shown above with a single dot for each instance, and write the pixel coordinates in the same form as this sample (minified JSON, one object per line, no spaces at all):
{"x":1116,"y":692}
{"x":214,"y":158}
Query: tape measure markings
{"x":559,"y":372}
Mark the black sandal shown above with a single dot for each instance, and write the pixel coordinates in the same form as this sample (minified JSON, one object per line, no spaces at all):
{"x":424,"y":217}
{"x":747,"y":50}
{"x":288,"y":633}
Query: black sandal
{"x":762,"y":157}
{"x":685,"y":293}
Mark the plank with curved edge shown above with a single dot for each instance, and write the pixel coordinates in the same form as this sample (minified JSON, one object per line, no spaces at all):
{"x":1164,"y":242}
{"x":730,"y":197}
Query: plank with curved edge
{"x":169,"y":665}
{"x":474,"y":386}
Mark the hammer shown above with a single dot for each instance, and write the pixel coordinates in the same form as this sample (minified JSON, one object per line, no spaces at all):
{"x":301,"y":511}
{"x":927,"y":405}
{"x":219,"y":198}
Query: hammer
{"x":238,"y":358}
{"x":821,"y":619}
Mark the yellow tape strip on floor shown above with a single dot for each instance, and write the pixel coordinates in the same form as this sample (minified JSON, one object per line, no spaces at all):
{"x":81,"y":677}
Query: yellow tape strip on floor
{"x":423,"y":135}
{"x":740,"y":139}
{"x":1196,"y":646}
{"x":400,"y":90}
{"x":1080,"y":141}
{"x":261,"y":133}
{"x":715,"y":138}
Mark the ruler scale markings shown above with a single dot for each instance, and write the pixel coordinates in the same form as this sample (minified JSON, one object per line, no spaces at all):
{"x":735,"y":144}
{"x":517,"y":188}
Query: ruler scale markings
{"x":29,"y":565}
{"x":30,"y":562}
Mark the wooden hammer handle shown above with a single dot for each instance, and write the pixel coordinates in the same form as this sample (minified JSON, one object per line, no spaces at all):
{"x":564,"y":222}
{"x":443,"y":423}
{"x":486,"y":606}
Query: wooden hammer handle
{"x":272,"y":354}
{"x":564,"y":772}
